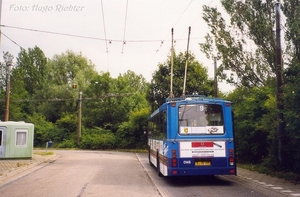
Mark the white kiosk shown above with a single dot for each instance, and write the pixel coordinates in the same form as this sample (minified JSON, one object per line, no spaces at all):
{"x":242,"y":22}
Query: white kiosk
{"x":16,"y":139}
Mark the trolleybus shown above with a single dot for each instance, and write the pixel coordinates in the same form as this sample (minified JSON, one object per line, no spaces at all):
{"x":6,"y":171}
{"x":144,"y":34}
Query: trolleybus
{"x":192,"y":136}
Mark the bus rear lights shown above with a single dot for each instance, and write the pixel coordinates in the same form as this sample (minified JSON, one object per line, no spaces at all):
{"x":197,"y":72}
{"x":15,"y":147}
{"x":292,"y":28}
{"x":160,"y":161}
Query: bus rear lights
{"x":231,"y":161}
{"x":232,"y":171}
{"x":174,"y":162}
{"x":230,"y":152}
{"x":174,"y":172}
{"x":173,"y":153}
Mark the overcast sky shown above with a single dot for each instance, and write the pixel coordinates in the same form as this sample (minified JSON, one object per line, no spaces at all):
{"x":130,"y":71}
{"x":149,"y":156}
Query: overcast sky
{"x":116,"y":35}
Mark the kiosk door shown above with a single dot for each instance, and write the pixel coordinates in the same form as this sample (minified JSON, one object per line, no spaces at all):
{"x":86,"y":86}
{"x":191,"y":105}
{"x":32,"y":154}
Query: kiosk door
{"x":2,"y":141}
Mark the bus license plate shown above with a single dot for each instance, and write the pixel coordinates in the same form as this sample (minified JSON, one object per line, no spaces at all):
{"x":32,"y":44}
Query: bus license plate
{"x":202,"y":163}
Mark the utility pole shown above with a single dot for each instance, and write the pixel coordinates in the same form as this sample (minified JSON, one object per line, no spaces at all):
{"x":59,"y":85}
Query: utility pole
{"x":6,"y":115}
{"x":79,"y":118}
{"x":0,"y":18}
{"x":215,"y":78}
{"x":279,"y":80}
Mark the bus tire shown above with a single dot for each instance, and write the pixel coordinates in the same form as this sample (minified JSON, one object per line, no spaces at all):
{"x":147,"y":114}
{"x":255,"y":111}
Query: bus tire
{"x":149,"y":157}
{"x":158,"y":166}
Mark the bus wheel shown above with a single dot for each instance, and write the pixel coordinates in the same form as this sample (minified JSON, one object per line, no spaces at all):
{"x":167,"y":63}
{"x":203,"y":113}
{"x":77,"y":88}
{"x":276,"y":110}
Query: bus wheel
{"x":158,"y":167}
{"x":149,"y":157}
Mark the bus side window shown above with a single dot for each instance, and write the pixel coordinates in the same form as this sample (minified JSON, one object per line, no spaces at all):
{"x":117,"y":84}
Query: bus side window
{"x":158,"y":126}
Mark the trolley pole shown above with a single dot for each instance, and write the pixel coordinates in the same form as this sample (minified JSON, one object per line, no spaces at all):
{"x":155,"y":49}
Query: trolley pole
{"x":215,"y":78}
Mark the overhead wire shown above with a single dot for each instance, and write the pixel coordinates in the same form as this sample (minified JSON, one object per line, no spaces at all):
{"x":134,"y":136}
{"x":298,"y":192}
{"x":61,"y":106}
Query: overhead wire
{"x":92,"y":38}
{"x":164,"y":40}
{"x":174,"y":26}
{"x":183,"y":34}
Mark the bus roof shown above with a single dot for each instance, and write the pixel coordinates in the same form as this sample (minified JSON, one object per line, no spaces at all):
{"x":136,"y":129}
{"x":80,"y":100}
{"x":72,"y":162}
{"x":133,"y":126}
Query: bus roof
{"x":194,"y":98}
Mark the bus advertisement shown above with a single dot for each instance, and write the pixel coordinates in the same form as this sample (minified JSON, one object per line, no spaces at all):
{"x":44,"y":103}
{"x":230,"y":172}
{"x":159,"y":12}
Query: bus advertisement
{"x":192,"y":136}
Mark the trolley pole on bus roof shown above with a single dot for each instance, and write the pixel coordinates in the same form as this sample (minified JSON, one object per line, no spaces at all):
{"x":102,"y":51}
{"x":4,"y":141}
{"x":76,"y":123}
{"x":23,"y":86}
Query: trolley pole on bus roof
{"x":215,"y":78}
{"x":186,"y":62}
{"x":172,"y":65}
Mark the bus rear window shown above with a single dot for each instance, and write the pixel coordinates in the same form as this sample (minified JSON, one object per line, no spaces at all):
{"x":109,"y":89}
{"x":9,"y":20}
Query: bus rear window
{"x":204,"y":119}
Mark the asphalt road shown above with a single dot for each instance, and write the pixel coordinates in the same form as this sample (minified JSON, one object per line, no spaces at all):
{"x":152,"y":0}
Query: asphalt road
{"x":106,"y":173}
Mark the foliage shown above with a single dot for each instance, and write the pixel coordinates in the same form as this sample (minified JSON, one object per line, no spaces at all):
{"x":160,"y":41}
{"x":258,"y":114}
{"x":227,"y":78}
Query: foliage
{"x":31,"y":69}
{"x":44,"y":130}
{"x":253,"y":122}
{"x":67,"y":143}
{"x":131,"y":134}
{"x":112,"y":100}
{"x":97,"y":138}
{"x":62,"y":72}
{"x":247,"y":47}
{"x":67,"y":125}
{"x":291,"y":113}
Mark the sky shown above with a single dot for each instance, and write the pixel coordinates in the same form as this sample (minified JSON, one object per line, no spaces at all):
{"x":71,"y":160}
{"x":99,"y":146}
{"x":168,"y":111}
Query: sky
{"x":116,"y":35}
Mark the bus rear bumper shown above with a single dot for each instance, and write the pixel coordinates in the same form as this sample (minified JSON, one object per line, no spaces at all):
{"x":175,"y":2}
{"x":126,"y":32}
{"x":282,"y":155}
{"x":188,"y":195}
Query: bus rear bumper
{"x":200,"y":172}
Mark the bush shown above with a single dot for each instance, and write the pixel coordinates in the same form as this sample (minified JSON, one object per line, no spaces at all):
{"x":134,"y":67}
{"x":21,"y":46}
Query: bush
{"x":98,"y":139}
{"x":67,"y":144}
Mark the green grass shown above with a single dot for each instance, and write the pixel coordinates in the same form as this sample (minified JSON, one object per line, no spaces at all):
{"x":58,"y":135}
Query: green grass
{"x":289,"y":176}
{"x":43,"y":153}
{"x":133,"y":150}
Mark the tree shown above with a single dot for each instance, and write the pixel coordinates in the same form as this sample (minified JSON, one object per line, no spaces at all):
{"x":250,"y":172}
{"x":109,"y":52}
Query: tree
{"x":255,"y":123}
{"x":112,"y":100}
{"x":197,"y":80}
{"x":62,"y":72}
{"x":247,"y":47}
{"x":130,"y":134}
{"x":31,"y":68}
{"x":291,"y":89}
{"x":27,"y":78}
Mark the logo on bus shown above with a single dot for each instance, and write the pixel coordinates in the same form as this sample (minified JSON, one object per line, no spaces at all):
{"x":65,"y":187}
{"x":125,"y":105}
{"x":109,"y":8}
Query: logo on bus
{"x":186,"y":130}
{"x":187,"y":162}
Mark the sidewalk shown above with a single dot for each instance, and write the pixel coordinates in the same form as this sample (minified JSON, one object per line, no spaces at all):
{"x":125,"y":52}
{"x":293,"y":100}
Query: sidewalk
{"x":252,"y":179}
{"x":276,"y":186}
{"x":11,"y":167}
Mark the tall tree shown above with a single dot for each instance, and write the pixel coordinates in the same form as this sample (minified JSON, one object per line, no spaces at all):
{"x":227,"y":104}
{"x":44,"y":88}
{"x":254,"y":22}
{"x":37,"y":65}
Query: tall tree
{"x":27,"y":78}
{"x":112,"y":100}
{"x":291,"y":9}
{"x":31,"y":69}
{"x":246,"y":48}
{"x":63,"y":71}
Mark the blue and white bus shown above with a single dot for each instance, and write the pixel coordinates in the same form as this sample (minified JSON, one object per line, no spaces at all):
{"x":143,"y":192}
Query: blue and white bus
{"x":192,"y":136}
